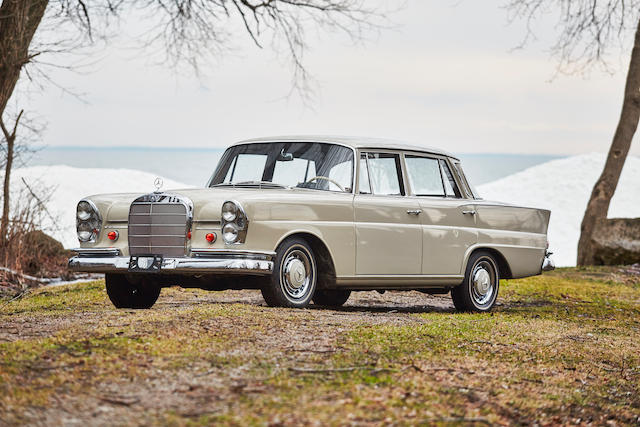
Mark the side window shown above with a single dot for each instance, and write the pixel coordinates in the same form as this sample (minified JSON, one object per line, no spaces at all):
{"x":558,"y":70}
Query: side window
{"x":365,"y":185}
{"x":463,"y":179}
{"x":425,"y":176}
{"x":385,"y":174}
{"x":450,"y":187}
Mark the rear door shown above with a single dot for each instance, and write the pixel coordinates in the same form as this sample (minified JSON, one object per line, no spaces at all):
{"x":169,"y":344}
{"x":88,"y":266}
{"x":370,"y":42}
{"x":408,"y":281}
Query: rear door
{"x":448,"y":220}
{"x":388,"y":228}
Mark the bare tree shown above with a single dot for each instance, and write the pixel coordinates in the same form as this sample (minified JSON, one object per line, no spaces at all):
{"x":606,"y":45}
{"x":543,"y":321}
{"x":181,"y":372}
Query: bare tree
{"x":187,"y":31}
{"x":10,"y":138}
{"x":19,"y":20}
{"x":17,"y":138}
{"x":590,"y":30}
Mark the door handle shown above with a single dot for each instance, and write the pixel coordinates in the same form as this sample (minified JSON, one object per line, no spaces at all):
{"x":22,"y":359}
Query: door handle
{"x":414,"y":211}
{"x":469,"y":212}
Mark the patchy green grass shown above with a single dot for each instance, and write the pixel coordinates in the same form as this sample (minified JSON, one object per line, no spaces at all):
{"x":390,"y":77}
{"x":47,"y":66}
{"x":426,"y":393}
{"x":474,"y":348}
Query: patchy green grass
{"x":559,"y":348}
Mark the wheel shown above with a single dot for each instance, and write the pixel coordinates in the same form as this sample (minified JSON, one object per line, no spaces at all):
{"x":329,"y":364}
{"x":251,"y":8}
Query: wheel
{"x":331,"y":297}
{"x":479,"y":290}
{"x":124,"y":293}
{"x":293,"y":280}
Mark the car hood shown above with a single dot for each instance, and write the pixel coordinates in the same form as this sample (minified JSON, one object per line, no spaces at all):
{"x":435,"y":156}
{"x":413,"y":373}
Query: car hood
{"x":207,"y":202}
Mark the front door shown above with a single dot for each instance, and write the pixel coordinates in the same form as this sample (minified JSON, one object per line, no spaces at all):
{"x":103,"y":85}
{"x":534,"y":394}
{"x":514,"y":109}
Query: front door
{"x":388,"y":227}
{"x":448,"y":220}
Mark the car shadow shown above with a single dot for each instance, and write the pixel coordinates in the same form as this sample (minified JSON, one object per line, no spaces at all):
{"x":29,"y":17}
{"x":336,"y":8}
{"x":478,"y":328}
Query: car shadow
{"x":384,"y":309}
{"x":400,"y":302}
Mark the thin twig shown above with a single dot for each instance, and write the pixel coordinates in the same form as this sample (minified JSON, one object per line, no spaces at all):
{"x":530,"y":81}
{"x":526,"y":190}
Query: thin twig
{"x":41,"y":204}
{"x":20,"y":295}
{"x":119,"y":400}
{"x":328,"y":370}
{"x":26,"y":276}
{"x":456,"y":420}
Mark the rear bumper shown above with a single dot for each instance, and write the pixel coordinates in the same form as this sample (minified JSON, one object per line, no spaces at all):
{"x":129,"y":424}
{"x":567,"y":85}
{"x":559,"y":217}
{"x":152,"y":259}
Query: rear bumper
{"x":202,"y":261}
{"x":547,"y":262}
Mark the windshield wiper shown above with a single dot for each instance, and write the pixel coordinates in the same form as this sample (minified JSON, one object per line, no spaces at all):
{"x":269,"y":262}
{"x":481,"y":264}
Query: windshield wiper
{"x":259,"y":184}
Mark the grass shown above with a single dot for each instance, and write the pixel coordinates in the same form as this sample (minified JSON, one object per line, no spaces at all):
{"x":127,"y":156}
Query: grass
{"x":561,"y":348}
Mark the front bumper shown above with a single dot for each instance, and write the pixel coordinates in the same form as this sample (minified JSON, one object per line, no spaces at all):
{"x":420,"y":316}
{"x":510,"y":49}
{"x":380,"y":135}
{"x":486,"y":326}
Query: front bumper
{"x":547,"y":262}
{"x":110,"y":260}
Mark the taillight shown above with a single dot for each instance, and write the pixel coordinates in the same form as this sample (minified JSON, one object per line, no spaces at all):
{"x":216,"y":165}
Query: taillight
{"x":113,"y":235}
{"x":211,"y":237}
{"x":189,"y":235}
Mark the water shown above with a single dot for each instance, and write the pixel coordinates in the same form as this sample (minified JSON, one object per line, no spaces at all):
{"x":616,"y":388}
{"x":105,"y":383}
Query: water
{"x":481,"y":168}
{"x":194,"y":166}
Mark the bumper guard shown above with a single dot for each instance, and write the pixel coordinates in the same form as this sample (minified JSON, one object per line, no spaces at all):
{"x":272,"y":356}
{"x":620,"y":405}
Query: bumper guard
{"x":547,"y":262}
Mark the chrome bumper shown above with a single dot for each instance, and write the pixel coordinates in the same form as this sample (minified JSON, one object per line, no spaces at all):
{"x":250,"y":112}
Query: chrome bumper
{"x":109,"y":260}
{"x":547,"y":262}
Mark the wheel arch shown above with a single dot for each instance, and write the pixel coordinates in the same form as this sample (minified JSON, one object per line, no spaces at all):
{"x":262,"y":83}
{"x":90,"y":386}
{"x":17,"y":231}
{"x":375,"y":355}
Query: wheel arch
{"x":324,"y":258}
{"x":503,"y":264}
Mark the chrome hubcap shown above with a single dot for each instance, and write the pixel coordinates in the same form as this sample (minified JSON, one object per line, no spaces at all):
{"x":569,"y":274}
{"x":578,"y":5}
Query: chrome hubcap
{"x":483,"y":282}
{"x":296,"y":274}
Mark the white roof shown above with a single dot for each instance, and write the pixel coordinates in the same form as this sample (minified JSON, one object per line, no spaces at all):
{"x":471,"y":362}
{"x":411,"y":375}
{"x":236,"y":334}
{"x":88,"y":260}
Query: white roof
{"x":351,"y":141}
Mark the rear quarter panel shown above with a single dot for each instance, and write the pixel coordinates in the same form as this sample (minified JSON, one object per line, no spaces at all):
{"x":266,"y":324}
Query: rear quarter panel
{"x":518,"y":233}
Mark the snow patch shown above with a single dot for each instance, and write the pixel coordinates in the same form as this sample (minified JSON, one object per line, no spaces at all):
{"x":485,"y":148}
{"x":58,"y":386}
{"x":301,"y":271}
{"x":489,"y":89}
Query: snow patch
{"x":68,"y":185}
{"x":564,"y":186}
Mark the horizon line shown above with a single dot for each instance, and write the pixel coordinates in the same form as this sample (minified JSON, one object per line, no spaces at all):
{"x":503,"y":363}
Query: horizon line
{"x":164,"y":148}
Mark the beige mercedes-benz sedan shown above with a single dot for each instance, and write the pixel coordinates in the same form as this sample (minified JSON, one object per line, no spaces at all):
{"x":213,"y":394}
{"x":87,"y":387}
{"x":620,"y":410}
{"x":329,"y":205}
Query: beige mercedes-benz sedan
{"x":306,"y":218}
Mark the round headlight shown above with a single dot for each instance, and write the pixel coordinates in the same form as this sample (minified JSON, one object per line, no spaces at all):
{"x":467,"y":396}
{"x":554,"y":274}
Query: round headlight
{"x":229,"y":211}
{"x":84,"y":211}
{"x":230,"y":233}
{"x":85,"y":232}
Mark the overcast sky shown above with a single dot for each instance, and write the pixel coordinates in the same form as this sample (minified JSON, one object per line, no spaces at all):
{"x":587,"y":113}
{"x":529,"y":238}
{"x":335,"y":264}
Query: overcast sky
{"x":446,"y":76}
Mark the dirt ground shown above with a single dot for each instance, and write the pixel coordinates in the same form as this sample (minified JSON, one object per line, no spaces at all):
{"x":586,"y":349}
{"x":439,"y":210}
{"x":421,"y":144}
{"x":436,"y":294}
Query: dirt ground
{"x":559,"y":349}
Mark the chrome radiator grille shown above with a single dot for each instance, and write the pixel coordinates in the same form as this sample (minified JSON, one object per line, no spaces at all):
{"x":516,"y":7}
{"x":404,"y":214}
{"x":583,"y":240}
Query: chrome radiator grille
{"x":158,"y":225}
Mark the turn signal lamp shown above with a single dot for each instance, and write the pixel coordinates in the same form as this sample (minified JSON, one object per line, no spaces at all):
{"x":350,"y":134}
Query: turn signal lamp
{"x":113,"y":235}
{"x":211,"y":237}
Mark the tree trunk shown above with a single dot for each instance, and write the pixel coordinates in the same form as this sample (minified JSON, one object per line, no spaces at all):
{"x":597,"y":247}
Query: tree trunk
{"x":598,"y":206}
{"x":4,"y":225}
{"x":19,"y":20}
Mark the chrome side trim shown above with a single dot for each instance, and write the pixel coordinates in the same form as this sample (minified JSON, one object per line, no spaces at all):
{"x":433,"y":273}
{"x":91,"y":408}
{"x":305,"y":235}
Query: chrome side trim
{"x":238,"y":253}
{"x":547,"y":262}
{"x":120,"y":264}
{"x":389,"y":281}
{"x":205,"y":223}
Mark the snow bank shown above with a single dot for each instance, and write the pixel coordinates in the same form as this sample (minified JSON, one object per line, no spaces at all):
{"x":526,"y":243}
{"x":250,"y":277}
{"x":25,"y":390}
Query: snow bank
{"x":564,"y":187}
{"x":68,"y":185}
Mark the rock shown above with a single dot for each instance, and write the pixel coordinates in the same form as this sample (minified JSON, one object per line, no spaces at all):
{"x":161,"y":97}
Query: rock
{"x":617,"y":241}
{"x":43,"y":255}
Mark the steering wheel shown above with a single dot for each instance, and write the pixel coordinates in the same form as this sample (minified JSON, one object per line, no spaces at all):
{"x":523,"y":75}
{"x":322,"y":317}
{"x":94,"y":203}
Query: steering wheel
{"x":315,"y":178}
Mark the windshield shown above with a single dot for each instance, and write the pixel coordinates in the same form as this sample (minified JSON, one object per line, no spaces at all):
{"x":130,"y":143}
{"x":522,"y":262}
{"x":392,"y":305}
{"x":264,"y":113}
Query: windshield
{"x":311,"y":165}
